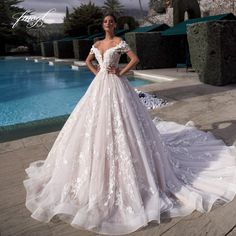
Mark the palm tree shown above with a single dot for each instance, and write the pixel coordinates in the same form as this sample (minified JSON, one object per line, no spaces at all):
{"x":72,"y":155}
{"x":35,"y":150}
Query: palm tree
{"x":113,"y":6}
{"x":141,"y":8}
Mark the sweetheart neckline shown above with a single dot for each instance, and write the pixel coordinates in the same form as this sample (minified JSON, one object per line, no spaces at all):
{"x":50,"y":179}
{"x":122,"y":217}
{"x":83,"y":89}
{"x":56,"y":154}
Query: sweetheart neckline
{"x":102,"y":55}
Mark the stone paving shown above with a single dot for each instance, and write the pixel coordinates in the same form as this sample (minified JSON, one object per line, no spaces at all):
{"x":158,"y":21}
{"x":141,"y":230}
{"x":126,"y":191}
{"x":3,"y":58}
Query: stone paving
{"x":211,"y":108}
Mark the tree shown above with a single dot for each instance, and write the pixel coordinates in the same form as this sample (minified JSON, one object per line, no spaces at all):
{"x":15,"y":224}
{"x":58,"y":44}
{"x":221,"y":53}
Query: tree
{"x":77,"y":22}
{"x":114,"y":7}
{"x":67,"y":12}
{"x":141,"y":8}
{"x":125,"y":21}
{"x":8,"y":35}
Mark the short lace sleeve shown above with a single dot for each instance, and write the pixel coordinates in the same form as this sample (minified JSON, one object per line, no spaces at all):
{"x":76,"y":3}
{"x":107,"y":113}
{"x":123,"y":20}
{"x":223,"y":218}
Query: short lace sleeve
{"x":92,"y":50}
{"x":124,"y":48}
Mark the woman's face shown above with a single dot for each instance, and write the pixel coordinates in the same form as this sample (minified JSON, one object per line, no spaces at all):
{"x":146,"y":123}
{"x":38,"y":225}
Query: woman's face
{"x":109,"y":23}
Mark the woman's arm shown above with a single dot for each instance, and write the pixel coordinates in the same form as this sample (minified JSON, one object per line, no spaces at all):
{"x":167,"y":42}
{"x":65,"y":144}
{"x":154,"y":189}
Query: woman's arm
{"x":90,"y":65}
{"x":133,"y":61}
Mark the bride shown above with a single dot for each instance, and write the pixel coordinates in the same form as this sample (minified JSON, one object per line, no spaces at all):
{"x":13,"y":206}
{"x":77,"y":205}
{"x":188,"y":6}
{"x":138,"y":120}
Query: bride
{"x":112,"y":169}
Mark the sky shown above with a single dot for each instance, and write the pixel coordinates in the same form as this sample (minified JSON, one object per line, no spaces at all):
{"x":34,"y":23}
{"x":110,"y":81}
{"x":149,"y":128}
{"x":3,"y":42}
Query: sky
{"x":43,"y":6}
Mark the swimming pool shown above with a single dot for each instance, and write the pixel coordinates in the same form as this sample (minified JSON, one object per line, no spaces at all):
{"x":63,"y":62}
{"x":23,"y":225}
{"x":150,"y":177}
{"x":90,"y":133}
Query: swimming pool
{"x":32,"y":91}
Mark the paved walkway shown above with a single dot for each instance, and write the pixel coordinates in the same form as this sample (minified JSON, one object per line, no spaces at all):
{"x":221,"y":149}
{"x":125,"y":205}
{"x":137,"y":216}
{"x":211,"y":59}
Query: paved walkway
{"x":211,"y":108}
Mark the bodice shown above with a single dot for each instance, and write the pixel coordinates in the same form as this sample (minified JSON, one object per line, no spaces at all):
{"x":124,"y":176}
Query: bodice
{"x":111,"y":56}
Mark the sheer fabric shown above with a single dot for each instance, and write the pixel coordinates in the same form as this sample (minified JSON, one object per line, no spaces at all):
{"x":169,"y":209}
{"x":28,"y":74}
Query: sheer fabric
{"x":112,"y":169}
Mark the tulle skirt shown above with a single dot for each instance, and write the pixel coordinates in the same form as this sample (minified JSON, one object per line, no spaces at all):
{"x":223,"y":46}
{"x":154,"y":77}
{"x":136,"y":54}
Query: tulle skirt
{"x":112,"y":169}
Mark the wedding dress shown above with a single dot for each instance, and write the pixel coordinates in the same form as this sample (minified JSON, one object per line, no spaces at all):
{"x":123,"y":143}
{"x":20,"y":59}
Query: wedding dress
{"x":112,"y":169}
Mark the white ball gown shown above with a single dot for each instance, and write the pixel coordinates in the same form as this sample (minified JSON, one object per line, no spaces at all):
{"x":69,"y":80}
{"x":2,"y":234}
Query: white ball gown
{"x":112,"y":169}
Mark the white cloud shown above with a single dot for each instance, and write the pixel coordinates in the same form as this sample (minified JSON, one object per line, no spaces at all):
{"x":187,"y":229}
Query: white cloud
{"x":54,"y":17}
{"x":41,"y":7}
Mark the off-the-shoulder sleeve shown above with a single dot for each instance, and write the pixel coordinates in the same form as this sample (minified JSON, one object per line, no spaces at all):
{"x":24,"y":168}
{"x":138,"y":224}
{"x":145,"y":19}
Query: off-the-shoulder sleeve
{"x":92,"y":50}
{"x":124,"y":48}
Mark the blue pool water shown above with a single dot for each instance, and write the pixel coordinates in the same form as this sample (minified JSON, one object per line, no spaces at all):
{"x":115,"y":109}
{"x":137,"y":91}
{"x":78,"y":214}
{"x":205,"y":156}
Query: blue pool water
{"x":32,"y":91}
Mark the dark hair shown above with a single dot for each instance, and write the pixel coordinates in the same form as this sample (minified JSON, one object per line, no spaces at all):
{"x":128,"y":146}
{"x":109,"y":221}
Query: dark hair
{"x":109,"y":14}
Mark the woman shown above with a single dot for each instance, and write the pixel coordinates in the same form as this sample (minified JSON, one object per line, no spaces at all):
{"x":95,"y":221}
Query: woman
{"x":110,"y":42}
{"x":112,"y":169}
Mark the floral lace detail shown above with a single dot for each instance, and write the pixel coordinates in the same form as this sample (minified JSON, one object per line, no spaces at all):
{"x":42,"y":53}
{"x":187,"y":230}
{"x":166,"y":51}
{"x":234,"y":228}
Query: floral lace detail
{"x":111,"y":167}
{"x":111,"y":56}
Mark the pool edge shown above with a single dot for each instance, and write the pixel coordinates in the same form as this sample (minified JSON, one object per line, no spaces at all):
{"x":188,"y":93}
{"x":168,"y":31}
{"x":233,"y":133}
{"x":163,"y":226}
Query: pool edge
{"x":31,"y":128}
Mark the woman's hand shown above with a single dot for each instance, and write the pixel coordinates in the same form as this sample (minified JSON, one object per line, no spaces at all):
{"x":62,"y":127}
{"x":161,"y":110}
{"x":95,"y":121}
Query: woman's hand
{"x":97,"y":68}
{"x":120,"y":72}
{"x":113,"y":70}
{"x":133,"y":61}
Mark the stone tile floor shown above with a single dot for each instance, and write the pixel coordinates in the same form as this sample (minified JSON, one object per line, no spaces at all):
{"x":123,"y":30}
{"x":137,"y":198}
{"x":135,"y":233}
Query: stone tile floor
{"x":211,"y":108}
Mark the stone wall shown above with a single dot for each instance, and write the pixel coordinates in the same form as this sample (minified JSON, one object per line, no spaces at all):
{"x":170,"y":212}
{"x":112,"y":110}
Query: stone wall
{"x":155,"y":51}
{"x":212,"y":48}
{"x":63,"y":49}
{"x":47,"y":49}
{"x":82,"y":48}
{"x":2,"y":48}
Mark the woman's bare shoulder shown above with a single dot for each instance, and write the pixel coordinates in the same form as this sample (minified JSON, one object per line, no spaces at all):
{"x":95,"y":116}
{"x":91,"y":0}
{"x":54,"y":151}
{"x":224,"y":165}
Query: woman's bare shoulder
{"x":118,"y":39}
{"x":97,"y":43}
